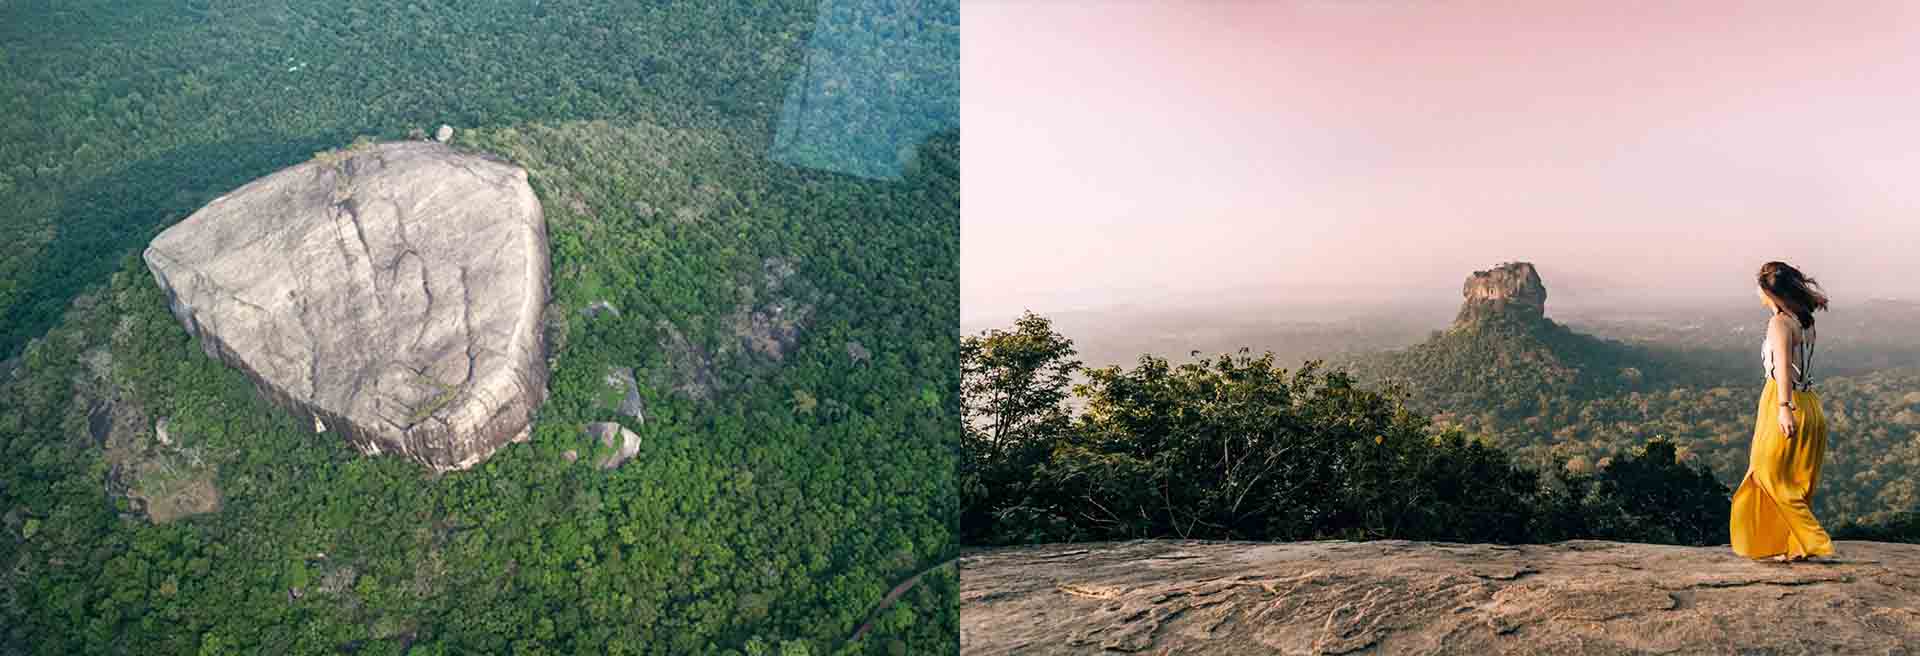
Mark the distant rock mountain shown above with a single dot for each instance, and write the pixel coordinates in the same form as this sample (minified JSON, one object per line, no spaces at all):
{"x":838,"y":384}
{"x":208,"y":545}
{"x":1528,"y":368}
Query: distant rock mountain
{"x":1510,"y":292}
{"x":1502,"y":354}
{"x":389,"y":293}
{"x":1402,"y":597}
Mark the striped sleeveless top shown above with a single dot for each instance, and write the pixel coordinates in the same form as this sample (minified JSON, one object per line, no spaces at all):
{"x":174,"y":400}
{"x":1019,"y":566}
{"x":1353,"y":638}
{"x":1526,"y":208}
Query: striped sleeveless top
{"x":1802,"y":354}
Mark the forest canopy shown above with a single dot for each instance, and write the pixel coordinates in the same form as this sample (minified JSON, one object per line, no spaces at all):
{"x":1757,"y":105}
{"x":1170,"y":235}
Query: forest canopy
{"x":778,"y":497}
{"x":1236,"y":446}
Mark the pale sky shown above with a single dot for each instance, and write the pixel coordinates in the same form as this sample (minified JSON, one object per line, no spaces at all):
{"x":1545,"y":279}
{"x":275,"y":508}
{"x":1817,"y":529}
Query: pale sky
{"x":1126,"y":151}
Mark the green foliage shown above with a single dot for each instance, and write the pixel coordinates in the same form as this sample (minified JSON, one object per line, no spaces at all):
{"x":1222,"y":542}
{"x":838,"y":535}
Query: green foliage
{"x":1234,"y":447}
{"x":804,"y":402}
{"x":336,"y":156}
{"x":1896,"y":527}
{"x":1505,"y":370}
{"x":741,"y":517}
{"x":440,"y":399}
{"x":1013,"y":384}
{"x":125,"y":117}
{"x":1554,"y":399}
{"x":1647,"y":495}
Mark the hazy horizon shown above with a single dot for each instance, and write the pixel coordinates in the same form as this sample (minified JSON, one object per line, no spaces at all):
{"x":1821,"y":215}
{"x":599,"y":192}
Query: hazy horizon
{"x":1151,"y":154}
{"x":1420,"y":298}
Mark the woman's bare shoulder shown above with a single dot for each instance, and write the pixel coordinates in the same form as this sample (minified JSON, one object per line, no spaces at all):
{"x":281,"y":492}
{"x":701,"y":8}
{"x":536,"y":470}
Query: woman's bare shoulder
{"x":1781,"y":324}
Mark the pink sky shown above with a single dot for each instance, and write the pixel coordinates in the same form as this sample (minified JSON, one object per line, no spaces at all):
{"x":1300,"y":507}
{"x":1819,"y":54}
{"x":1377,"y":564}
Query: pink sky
{"x":1136,"y":152}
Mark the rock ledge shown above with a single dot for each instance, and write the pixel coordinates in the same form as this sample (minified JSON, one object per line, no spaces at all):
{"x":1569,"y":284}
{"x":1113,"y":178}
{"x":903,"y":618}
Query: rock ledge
{"x":1401,"y":597}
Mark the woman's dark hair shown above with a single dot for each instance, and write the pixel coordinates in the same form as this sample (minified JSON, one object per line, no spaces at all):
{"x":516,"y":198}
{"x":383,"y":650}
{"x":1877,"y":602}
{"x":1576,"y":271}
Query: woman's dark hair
{"x":1792,"y":291}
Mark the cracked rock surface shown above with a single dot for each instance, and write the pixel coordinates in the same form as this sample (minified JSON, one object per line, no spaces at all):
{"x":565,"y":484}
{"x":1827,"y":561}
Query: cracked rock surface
{"x":1512,"y":290}
{"x":625,"y":443}
{"x":1402,"y":597}
{"x":391,"y":293}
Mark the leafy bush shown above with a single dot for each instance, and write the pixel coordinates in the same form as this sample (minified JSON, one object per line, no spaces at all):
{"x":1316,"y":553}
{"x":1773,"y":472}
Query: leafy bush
{"x":1648,"y":495}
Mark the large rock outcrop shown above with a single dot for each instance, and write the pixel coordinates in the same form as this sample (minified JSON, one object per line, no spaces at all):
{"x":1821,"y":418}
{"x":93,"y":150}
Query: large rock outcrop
{"x":1400,"y":597}
{"x":391,"y":293}
{"x":1511,"y":291}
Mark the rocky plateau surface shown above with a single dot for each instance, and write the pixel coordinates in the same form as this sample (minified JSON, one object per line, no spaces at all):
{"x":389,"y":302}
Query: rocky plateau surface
{"x":1402,"y":597}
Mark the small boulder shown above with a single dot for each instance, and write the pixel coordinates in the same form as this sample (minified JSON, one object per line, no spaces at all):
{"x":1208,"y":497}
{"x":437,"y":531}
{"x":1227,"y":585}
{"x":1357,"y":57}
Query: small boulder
{"x":444,"y":134}
{"x":858,"y":353}
{"x":570,"y":456}
{"x":598,"y":308}
{"x":160,"y":432}
{"x":615,"y":436}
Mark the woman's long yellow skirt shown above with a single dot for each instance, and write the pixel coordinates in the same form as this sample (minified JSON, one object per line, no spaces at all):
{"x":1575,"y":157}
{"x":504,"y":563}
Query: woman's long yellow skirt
{"x":1772,"y":511}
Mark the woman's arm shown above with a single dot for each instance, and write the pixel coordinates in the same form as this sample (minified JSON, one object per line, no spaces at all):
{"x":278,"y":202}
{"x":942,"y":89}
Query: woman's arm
{"x":1780,"y":339}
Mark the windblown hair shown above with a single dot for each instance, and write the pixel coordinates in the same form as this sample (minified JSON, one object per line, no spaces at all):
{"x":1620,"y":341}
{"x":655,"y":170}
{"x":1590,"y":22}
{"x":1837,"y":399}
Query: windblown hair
{"x":1792,"y":291}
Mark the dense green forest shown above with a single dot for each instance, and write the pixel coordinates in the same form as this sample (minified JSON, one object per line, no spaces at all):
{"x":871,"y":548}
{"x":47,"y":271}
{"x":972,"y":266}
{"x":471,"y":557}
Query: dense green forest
{"x":1517,"y":367}
{"x":776,"y":501}
{"x":1546,"y":394}
{"x":1239,"y":447}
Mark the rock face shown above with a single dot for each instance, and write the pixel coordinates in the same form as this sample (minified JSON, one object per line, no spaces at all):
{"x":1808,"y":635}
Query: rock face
{"x":614,"y":436}
{"x":1509,"y":291}
{"x":621,"y":381}
{"x":1400,"y":597}
{"x":391,"y":293}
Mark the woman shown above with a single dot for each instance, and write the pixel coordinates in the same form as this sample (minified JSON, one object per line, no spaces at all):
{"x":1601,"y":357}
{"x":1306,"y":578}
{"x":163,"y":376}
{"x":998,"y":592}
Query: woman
{"x":1772,"y":518}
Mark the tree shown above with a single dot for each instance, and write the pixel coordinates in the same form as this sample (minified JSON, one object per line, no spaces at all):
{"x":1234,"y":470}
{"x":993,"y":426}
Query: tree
{"x":1013,"y":383}
{"x":1013,"y":386}
{"x":1651,"y":496}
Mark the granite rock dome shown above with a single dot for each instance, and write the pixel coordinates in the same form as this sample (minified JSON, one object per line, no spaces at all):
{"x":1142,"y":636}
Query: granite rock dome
{"x":391,"y":293}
